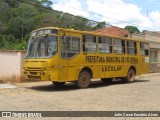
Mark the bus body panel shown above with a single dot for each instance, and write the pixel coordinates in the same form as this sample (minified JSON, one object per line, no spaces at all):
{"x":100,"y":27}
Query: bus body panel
{"x":61,"y":69}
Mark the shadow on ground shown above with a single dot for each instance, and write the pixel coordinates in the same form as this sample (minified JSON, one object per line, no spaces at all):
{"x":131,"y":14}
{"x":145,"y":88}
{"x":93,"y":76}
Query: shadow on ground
{"x":72,"y":86}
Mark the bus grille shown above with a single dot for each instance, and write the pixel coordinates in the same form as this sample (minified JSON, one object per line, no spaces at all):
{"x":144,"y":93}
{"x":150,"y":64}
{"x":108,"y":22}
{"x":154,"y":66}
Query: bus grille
{"x":34,"y":69}
{"x":34,"y":77}
{"x":33,"y":73}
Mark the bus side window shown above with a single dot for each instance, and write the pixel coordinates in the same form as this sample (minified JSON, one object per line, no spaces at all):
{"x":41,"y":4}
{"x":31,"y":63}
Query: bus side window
{"x":89,"y":43}
{"x":84,"y":48}
{"x":70,"y":46}
{"x":119,"y":46}
{"x":144,"y":49}
{"x":131,"y":47}
{"x":105,"y":45}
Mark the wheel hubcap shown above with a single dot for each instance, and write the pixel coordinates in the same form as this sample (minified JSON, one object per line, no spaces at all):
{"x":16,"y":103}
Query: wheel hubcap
{"x":84,"y":80}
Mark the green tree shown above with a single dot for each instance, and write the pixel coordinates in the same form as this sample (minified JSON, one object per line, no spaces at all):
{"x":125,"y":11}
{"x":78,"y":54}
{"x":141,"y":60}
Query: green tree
{"x":46,"y":3}
{"x":132,"y":29}
{"x":4,"y":12}
{"x":100,"y":25}
{"x":18,"y":19}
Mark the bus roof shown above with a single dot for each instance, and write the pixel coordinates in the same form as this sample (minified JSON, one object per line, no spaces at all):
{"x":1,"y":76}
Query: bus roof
{"x":90,"y":32}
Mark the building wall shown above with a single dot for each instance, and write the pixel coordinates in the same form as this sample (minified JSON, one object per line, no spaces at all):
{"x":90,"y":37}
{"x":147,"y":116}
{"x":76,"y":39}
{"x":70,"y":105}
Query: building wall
{"x":152,"y":36}
{"x":159,"y":56}
{"x":147,"y":35}
{"x":154,"y":39}
{"x":139,"y":36}
{"x":11,"y":65}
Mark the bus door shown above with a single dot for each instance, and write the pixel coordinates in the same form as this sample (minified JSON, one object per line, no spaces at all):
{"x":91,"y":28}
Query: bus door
{"x":63,"y":62}
{"x":69,"y":48}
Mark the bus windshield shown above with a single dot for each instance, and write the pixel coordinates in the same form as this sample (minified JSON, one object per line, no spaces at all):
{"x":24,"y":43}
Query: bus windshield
{"x":42,"y":47}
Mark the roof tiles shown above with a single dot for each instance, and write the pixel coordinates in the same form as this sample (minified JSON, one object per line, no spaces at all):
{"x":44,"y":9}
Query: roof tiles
{"x":114,"y":31}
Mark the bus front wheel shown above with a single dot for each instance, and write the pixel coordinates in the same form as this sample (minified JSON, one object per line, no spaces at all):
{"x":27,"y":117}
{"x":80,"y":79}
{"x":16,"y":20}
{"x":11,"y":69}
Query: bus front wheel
{"x":83,"y":79}
{"x":58,"y":84}
{"x":130,"y":76}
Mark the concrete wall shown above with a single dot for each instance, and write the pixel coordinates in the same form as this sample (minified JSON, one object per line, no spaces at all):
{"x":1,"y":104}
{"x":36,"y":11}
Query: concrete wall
{"x":153,"y":38}
{"x":147,"y":35}
{"x":11,"y":65}
{"x":140,"y":36}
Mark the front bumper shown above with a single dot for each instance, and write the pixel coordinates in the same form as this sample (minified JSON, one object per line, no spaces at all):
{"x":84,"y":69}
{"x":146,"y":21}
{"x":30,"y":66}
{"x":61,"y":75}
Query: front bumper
{"x":36,"y":75}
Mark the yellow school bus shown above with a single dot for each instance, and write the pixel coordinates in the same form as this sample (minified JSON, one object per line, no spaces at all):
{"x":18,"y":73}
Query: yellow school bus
{"x":67,"y":55}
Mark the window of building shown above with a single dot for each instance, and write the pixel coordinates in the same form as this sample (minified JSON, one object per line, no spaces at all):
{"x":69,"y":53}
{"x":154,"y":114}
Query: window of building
{"x":144,"y":49}
{"x":153,"y":56}
{"x":153,"y":38}
{"x":70,"y":46}
{"x":105,"y":45}
{"x":131,"y":47}
{"x":119,"y":46}
{"x":89,"y":43}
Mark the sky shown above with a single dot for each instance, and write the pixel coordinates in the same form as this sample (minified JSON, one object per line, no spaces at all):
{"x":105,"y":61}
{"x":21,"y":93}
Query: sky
{"x":145,"y":14}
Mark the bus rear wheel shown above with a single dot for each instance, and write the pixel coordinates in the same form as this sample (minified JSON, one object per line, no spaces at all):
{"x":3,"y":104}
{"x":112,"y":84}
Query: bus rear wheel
{"x":130,"y":76}
{"x":83,"y":79}
{"x":58,"y":84}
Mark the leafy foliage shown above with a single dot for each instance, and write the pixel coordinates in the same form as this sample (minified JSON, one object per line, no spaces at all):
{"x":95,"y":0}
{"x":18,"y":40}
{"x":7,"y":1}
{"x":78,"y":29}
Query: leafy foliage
{"x":132,"y":29}
{"x":18,"y":19}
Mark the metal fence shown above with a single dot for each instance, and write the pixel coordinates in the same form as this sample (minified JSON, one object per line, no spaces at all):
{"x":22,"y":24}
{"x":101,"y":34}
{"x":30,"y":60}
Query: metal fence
{"x":155,"y":67}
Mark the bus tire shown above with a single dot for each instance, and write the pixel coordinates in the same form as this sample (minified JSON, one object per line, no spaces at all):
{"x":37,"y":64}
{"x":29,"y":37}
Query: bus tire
{"x":106,"y":80}
{"x":84,"y":79}
{"x":130,"y":76}
{"x":58,"y":84}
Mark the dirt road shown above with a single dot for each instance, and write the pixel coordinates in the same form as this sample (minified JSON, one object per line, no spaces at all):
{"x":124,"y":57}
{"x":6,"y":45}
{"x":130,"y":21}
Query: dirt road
{"x":143,"y":94}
